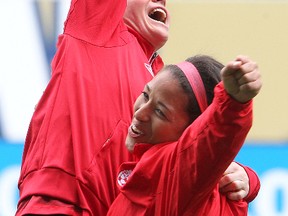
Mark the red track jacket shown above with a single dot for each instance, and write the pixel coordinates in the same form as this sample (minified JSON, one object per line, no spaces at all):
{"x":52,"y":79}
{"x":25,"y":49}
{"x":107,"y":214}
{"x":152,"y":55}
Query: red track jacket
{"x":74,"y":143}
{"x":181,"y":178}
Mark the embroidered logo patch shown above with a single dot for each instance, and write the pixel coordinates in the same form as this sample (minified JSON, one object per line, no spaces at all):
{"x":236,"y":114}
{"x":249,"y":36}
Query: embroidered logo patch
{"x":123,"y":177}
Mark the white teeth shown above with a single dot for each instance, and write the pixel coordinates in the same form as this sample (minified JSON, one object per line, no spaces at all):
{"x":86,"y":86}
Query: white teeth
{"x":135,"y":129}
{"x":159,"y":10}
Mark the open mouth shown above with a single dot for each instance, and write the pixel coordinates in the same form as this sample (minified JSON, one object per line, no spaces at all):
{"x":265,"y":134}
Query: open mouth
{"x":158,"y":14}
{"x":135,"y":130}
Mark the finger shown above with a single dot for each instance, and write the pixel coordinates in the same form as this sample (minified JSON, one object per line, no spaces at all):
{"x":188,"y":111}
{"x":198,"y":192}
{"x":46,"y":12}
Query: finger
{"x":232,"y":186}
{"x":232,"y":168}
{"x":244,"y":59}
{"x":237,"y":195}
{"x":250,"y":90}
{"x":224,"y":181}
{"x":248,"y":77}
{"x":231,"y":173}
{"x":250,"y":85}
{"x":230,"y":68}
{"x":248,"y":67}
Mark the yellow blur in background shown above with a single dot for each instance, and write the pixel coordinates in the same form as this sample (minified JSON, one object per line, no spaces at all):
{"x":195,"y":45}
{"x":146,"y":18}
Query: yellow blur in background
{"x":222,"y":29}
{"x":225,"y":29}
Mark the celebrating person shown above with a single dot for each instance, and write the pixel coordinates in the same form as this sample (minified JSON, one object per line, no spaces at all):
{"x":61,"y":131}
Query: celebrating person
{"x":73,"y":149}
{"x":184,"y":144}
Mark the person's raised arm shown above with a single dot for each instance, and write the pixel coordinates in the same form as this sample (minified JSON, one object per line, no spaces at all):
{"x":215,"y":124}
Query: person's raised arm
{"x":242,"y":81}
{"x":221,"y":130}
{"x":94,"y":21}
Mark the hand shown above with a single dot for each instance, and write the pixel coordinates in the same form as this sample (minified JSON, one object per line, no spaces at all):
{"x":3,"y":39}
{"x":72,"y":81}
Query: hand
{"x":242,"y":79}
{"x":234,"y":182}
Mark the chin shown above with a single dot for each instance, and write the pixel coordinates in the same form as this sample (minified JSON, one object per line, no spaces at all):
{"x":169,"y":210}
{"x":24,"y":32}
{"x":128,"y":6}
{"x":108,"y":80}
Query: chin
{"x":130,"y":148}
{"x":160,"y":40}
{"x":129,"y":144}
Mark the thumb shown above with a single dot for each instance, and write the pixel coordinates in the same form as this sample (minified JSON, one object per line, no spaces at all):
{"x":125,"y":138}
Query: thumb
{"x":230,"y":68}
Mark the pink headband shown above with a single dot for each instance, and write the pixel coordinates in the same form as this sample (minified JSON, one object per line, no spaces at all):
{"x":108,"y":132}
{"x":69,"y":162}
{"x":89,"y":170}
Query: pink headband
{"x":196,"y":83}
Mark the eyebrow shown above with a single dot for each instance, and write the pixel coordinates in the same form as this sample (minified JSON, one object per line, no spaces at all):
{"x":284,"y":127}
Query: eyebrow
{"x":148,"y":87}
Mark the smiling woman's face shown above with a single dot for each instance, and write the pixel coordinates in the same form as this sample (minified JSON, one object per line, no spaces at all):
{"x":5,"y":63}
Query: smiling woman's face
{"x":159,"y":112}
{"x":149,"y":18}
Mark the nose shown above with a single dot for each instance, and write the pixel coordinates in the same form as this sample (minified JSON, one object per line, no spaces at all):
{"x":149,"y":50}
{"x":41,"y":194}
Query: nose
{"x":143,"y":113}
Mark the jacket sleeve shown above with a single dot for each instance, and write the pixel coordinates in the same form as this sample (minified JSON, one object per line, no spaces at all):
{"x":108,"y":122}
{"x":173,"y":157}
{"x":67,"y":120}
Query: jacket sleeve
{"x":209,"y":145}
{"x":94,"y":21}
{"x":254,"y":184}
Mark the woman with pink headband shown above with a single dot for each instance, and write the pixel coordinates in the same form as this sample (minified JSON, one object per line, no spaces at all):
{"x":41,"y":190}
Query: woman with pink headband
{"x":105,"y":55}
{"x":183,"y":144}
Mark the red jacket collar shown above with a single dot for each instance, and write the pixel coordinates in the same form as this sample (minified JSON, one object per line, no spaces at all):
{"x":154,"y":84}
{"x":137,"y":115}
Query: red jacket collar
{"x":154,"y":59}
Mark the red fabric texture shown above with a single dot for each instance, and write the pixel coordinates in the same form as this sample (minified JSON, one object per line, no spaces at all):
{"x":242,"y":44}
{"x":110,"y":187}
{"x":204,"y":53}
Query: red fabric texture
{"x":254,"y":184}
{"x":74,"y":145}
{"x":181,"y":178}
{"x":75,"y":141}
